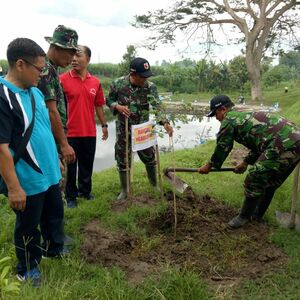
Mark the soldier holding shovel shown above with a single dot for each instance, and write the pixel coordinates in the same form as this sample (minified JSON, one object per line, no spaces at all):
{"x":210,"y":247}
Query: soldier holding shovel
{"x":130,"y":98}
{"x":274,"y":145}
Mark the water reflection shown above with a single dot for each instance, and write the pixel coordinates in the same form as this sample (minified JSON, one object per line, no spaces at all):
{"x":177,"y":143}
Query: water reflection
{"x":186,"y":135}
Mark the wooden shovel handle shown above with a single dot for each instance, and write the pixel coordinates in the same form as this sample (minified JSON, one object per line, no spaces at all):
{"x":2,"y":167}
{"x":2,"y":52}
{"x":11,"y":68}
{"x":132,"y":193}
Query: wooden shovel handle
{"x":170,"y":169}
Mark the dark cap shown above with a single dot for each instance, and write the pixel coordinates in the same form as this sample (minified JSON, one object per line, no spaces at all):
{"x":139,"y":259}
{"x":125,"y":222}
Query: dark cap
{"x":141,"y":66}
{"x":218,"y":101}
{"x":64,"y":37}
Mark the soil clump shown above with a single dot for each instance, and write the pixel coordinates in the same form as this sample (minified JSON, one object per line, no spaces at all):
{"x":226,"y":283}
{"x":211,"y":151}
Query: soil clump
{"x":203,"y":242}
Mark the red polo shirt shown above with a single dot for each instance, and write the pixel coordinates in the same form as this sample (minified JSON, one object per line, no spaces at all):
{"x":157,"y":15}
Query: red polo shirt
{"x":82,"y":98}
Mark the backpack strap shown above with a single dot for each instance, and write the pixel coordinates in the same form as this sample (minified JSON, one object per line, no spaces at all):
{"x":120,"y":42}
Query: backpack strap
{"x":22,"y":146}
{"x":24,"y":141}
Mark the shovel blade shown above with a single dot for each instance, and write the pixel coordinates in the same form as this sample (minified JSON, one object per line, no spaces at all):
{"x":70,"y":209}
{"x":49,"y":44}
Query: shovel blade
{"x":176,"y":182}
{"x":284,"y":219}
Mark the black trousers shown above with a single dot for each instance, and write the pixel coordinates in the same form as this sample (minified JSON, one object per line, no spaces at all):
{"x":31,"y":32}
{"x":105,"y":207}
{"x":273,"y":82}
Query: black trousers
{"x":85,"y":148}
{"x":44,"y":209}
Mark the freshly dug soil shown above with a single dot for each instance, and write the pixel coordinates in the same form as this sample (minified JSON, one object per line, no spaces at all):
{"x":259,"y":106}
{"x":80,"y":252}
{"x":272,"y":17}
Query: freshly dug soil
{"x":237,"y":155}
{"x":203,"y":242}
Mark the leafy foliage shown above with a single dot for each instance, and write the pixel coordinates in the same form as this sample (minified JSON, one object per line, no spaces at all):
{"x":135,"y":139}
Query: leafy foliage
{"x":8,"y":287}
{"x":290,"y":59}
{"x":258,"y":25}
{"x":127,"y":58}
{"x":4,"y":65}
{"x":278,"y":74}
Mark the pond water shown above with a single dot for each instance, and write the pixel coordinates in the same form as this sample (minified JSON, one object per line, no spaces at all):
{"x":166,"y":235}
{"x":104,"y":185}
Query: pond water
{"x":188,"y":135}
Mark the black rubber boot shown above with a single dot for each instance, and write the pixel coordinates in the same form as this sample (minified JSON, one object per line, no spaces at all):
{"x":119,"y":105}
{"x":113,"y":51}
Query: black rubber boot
{"x":245,"y":214}
{"x":151,"y":172}
{"x":263,"y":205}
{"x":123,"y":181}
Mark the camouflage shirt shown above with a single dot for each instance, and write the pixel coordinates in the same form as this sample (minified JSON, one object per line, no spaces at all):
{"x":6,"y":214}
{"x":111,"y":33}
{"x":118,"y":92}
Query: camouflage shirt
{"x":258,"y":131}
{"x":52,"y":89}
{"x":138,"y":100}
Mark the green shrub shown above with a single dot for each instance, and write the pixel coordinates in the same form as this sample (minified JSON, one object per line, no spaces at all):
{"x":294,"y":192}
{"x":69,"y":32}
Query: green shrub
{"x":8,"y":287}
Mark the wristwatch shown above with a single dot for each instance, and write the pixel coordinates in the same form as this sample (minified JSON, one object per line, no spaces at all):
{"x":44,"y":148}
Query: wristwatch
{"x":104,"y":126}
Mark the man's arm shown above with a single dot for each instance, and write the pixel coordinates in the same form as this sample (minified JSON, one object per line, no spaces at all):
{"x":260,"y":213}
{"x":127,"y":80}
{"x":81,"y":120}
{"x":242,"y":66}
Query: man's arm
{"x":112,"y":98}
{"x":58,"y":132}
{"x":102,"y":120}
{"x":251,"y":157}
{"x":156,"y":103}
{"x":49,"y":85}
{"x":224,"y":145}
{"x":225,"y":140}
{"x":112,"y":102}
{"x":16,"y":195}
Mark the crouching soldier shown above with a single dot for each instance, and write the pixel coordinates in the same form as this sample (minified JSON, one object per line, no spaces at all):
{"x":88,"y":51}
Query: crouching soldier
{"x":274,"y":145}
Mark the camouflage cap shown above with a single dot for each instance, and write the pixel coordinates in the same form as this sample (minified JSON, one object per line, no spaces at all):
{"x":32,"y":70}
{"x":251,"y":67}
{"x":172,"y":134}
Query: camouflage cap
{"x":64,"y":37}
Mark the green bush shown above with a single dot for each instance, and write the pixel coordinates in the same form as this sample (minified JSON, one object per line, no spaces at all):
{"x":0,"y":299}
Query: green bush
{"x":278,"y":74}
{"x":8,"y":287}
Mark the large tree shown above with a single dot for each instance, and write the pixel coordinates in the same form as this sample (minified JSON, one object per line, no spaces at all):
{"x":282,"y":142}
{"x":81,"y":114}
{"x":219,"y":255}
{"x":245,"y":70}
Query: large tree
{"x":259,"y":24}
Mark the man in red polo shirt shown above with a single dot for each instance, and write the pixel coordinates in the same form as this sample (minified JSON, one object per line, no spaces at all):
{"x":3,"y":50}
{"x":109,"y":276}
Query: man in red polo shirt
{"x":84,"y":96}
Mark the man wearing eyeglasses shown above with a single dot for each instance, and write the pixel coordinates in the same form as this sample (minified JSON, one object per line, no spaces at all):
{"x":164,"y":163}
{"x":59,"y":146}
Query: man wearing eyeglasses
{"x":33,"y":182}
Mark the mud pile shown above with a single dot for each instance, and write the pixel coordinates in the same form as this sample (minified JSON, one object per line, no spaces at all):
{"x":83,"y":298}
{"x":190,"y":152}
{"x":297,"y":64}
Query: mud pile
{"x":203,"y":242}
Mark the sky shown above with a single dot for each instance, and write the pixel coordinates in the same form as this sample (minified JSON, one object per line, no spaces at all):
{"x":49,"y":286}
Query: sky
{"x":104,"y":26}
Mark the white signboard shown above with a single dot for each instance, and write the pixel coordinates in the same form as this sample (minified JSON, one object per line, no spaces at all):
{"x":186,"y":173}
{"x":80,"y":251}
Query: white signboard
{"x":143,"y":136}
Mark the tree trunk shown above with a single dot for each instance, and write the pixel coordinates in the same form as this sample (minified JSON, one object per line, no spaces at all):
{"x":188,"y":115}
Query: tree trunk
{"x":253,"y":67}
{"x":256,"y":90}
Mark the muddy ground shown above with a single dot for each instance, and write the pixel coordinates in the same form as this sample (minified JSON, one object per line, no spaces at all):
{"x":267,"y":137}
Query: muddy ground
{"x":237,"y":155}
{"x":203,"y":242}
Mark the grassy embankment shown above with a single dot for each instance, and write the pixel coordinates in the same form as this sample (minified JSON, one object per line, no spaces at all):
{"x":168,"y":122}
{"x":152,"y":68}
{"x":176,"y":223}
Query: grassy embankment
{"x":72,"y":278}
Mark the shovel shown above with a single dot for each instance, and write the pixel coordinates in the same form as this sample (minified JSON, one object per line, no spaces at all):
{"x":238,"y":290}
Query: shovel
{"x":180,"y":185}
{"x":291,"y":220}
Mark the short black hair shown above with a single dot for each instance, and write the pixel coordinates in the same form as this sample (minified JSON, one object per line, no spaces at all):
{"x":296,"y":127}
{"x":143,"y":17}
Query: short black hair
{"x":86,"y":50}
{"x":23,"y":48}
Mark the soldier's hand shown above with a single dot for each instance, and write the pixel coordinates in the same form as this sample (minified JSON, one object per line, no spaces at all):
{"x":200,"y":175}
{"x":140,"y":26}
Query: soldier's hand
{"x":123,"y":110}
{"x":169,"y":129}
{"x":241,"y":168}
{"x":104,"y":133}
{"x":68,"y":153}
{"x":17,"y":198}
{"x":205,"y":169}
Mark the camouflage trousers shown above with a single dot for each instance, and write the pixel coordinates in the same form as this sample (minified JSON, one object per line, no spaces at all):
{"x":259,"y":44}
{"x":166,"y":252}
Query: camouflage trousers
{"x":270,"y":171}
{"x":147,"y":156}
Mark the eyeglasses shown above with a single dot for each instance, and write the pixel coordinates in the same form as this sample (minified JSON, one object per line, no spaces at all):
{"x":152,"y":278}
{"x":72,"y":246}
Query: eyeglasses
{"x":41,"y":70}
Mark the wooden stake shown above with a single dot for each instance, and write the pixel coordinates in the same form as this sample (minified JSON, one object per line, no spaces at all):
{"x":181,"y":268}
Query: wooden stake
{"x":294,"y":198}
{"x":158,"y":171}
{"x":171,"y":142}
{"x":127,"y":160}
{"x":131,"y":166}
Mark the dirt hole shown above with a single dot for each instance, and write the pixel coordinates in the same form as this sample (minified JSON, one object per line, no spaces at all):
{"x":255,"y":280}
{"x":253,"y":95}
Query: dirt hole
{"x":203,"y":242}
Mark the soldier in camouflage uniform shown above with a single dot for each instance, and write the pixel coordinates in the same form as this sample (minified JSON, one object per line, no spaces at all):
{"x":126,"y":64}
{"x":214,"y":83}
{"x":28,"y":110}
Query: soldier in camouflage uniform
{"x":274,"y":144}
{"x":130,"y":97}
{"x":63,"y":46}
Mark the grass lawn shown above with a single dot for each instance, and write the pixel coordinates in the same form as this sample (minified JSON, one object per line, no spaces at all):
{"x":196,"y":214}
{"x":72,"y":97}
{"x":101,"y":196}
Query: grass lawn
{"x":73,"y":278}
